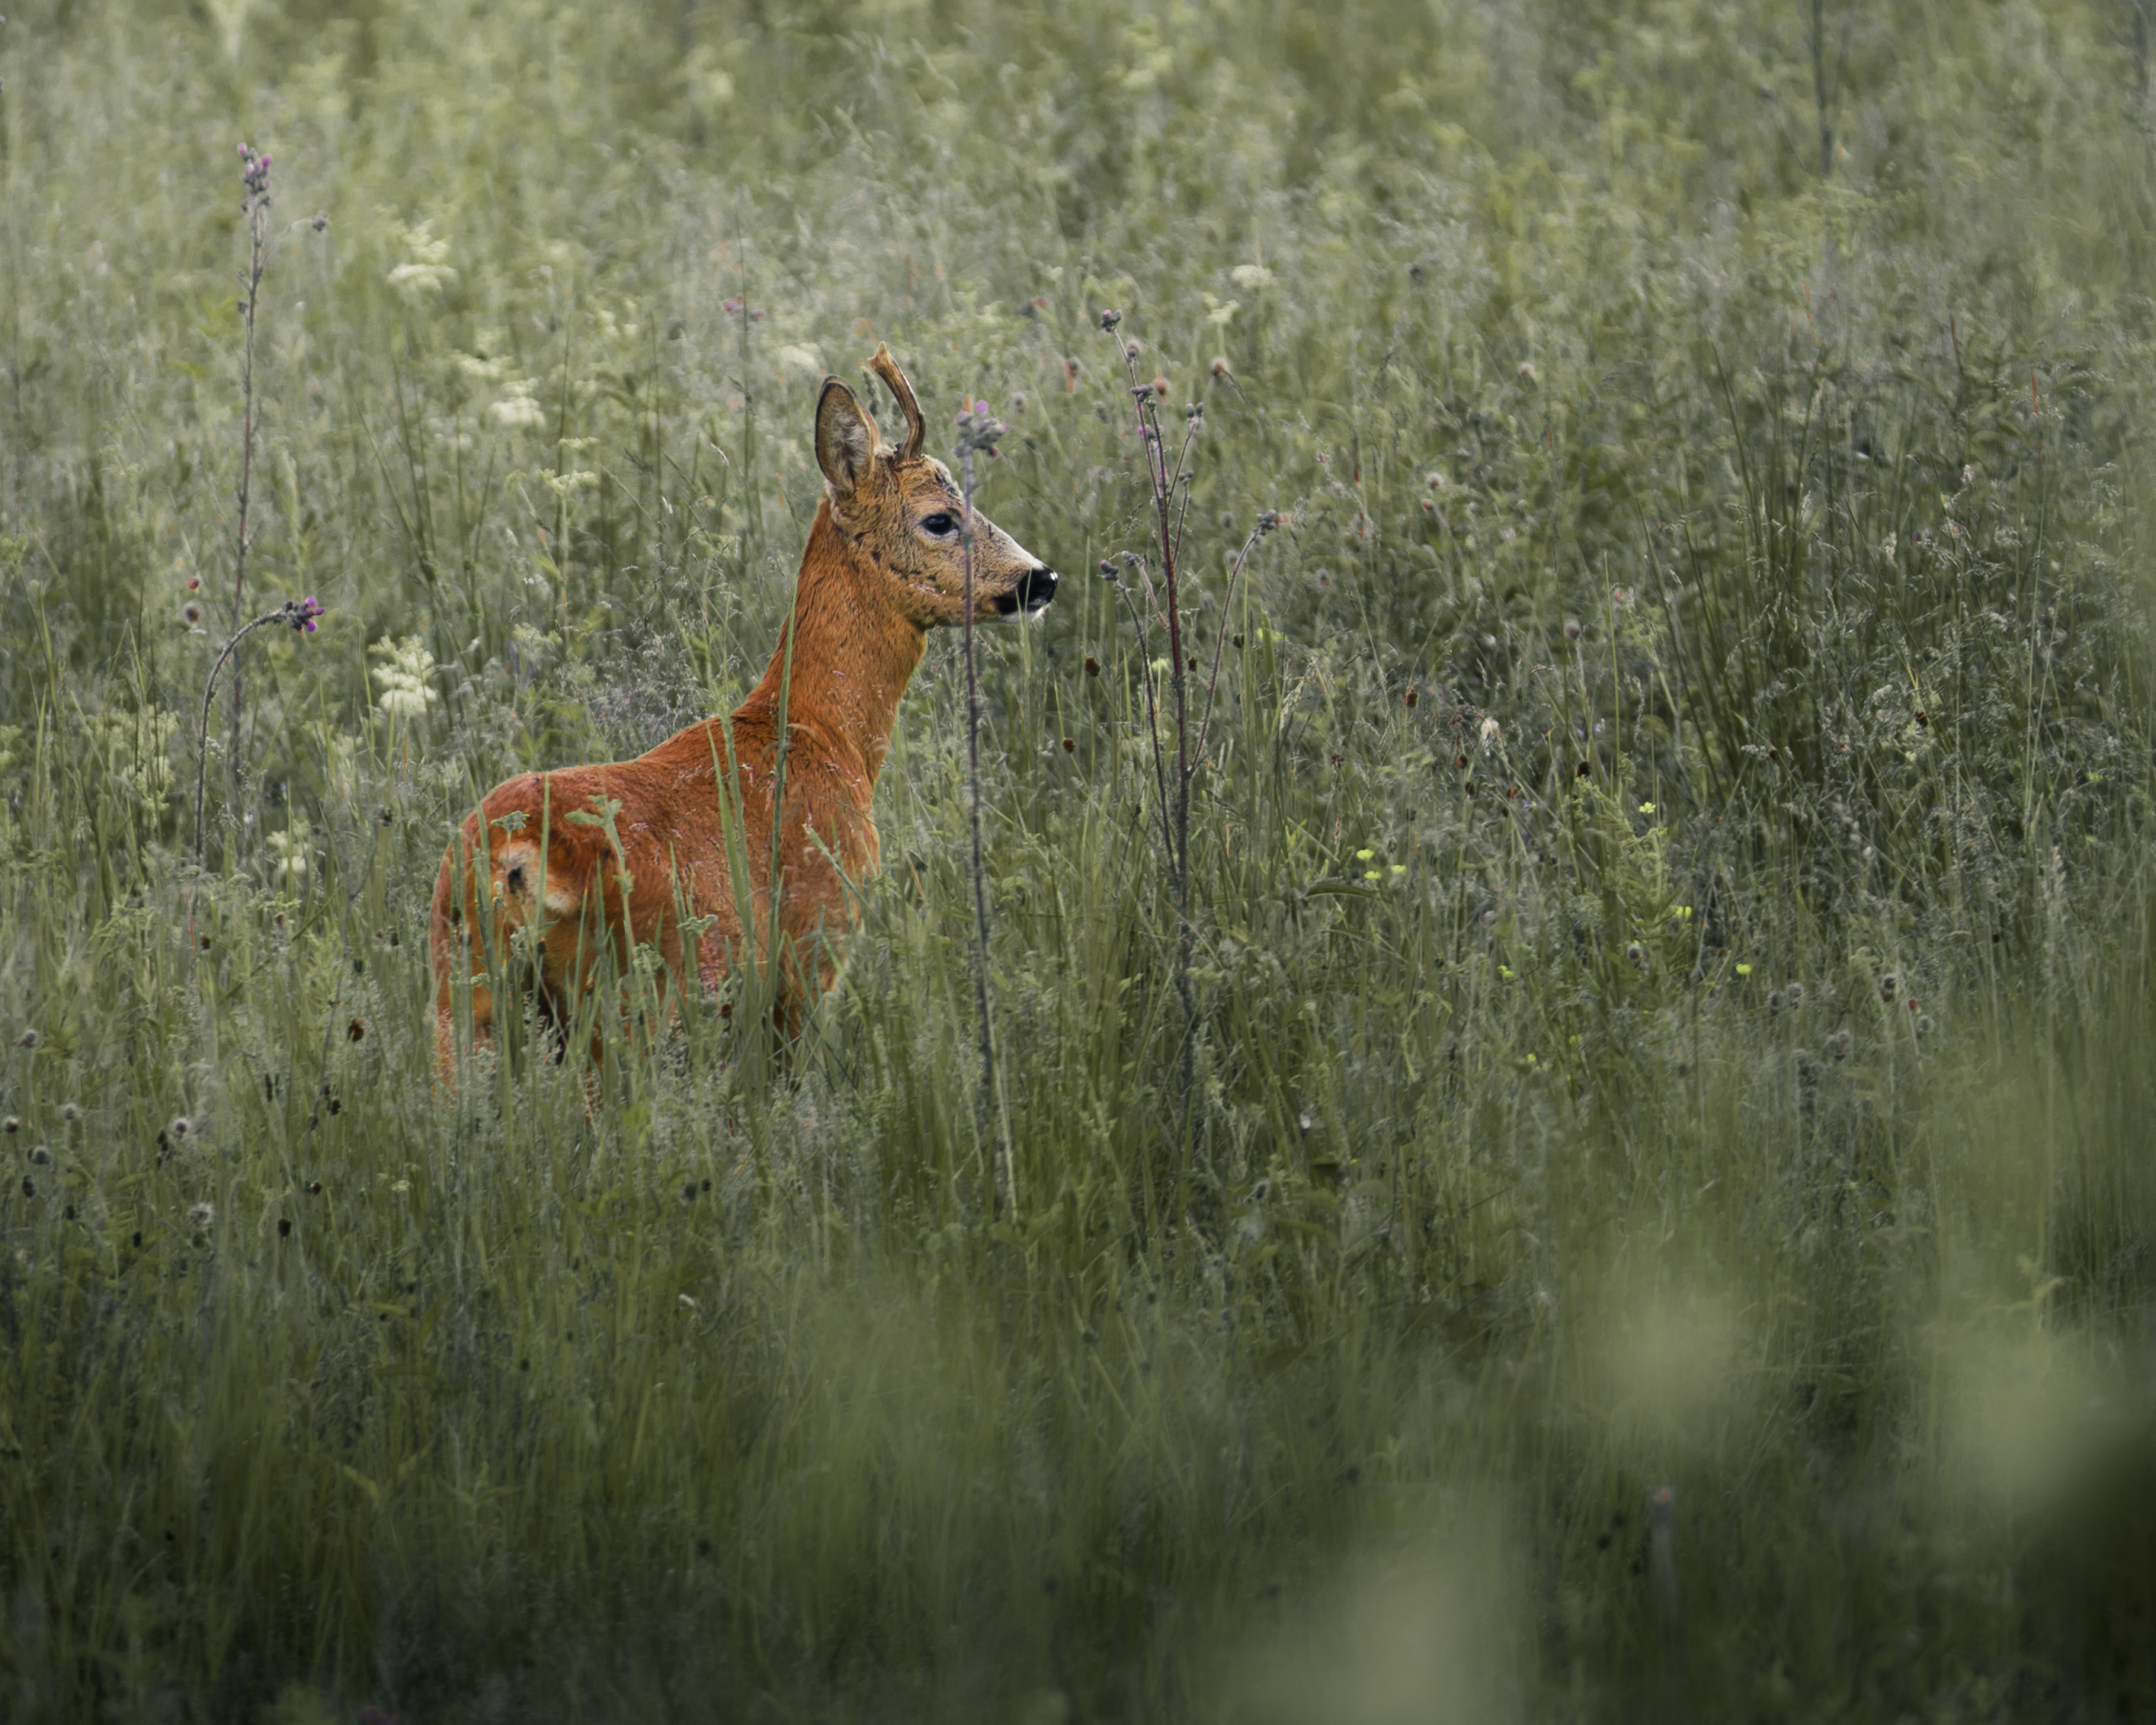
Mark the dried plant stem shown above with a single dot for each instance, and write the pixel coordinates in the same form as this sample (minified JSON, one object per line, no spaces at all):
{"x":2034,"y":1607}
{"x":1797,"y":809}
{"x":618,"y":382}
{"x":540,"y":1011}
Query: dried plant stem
{"x":258,"y":210}
{"x":295,"y":614}
{"x":1175,"y":819}
{"x":1008,"y":1187}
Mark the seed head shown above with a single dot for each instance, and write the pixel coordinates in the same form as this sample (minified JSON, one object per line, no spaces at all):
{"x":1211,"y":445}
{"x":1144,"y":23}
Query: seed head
{"x":29,"y":1038}
{"x":1924,"y":1025}
{"x":1131,"y":350}
{"x":40,"y":1157}
{"x":1109,"y":320}
{"x":1160,"y":383}
{"x":11,"y":1125}
{"x":1887,"y":989}
{"x":70,"y":1112}
{"x":191,"y":613}
{"x":203,"y":1214}
{"x":1838,"y":1044}
{"x":1794,"y":994}
{"x":194,"y":584}
{"x":1070,"y":746}
{"x":1527,"y":371}
{"x":1572,"y":628}
{"x":1220,"y":365}
{"x":1638,"y":954}
{"x":356,"y":1030}
{"x":181,"y":1126}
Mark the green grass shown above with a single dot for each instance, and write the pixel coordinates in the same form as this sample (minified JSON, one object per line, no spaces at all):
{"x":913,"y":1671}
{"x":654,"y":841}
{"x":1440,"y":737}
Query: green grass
{"x":1761,"y":1110}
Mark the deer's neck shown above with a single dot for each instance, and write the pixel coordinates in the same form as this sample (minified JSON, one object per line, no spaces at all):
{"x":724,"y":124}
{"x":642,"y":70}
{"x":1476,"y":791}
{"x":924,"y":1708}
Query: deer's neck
{"x":852,"y":657}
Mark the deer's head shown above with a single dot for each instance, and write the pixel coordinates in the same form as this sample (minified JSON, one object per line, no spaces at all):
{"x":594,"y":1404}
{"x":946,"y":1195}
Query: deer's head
{"x":904,"y":518}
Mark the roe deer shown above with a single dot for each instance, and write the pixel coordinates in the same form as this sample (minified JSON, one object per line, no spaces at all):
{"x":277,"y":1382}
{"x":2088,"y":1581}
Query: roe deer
{"x":885,"y":564}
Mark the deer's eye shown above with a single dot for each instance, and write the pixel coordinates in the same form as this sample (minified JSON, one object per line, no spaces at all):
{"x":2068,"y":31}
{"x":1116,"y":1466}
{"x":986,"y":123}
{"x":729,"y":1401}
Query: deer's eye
{"x":940,"y":524}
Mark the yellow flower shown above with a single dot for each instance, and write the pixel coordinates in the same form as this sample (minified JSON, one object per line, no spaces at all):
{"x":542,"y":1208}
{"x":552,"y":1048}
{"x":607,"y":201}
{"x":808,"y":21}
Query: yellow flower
{"x":1744,"y":970}
{"x":1646,"y":808}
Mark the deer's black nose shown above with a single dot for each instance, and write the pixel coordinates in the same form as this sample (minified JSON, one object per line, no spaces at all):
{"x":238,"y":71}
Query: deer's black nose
{"x":1033,"y":590}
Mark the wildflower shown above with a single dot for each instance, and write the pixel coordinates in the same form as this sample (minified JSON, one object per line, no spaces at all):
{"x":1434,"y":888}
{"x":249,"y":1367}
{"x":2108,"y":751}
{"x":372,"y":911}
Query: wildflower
{"x":1572,"y":628}
{"x":1092,"y":666}
{"x":1304,"y":1121}
{"x":1109,"y":320}
{"x":356,"y":1029}
{"x":194,"y":584}
{"x":1434,"y":479}
{"x":1490,"y":919}
{"x":191,"y":613}
{"x":1527,"y":371}
{"x":1220,"y":365}
{"x":382,"y":817}
{"x":1638,"y":954}
{"x":181,"y":1126}
{"x":1070,"y":746}
{"x":1017,"y":402}
{"x":40,"y":1157}
{"x":1364,"y":856}
{"x":1107,"y":570}
{"x":1160,"y":383}
{"x":1490,"y":733}
{"x":203,"y":1214}
{"x":1131,"y":350}
{"x":301,"y":613}
{"x":70,"y":1112}
{"x":1411,"y":697}
{"x":29,"y":1038}
{"x":11,"y":1125}
{"x":1838,"y":1044}
{"x":1887,"y":988}
{"x":1646,"y":808}
{"x":1744,"y":970}
{"x":404,"y":680}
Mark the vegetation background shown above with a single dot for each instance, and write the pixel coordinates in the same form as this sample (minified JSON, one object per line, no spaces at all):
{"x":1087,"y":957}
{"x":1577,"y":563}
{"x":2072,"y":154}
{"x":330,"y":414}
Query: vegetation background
{"x":1671,"y":878}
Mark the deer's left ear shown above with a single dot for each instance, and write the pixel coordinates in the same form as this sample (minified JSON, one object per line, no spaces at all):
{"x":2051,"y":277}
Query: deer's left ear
{"x":846,"y":437}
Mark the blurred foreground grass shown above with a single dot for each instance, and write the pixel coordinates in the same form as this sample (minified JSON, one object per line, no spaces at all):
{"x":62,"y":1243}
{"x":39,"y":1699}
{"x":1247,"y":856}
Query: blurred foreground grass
{"x":1676,"y":921}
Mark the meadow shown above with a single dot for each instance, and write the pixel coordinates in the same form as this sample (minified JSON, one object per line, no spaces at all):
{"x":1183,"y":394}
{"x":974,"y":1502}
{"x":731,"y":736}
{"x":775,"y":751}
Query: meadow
{"x":1638,"y":1203}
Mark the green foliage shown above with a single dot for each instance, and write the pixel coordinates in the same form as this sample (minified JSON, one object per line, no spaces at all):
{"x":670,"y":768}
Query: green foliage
{"x":1673,"y":927}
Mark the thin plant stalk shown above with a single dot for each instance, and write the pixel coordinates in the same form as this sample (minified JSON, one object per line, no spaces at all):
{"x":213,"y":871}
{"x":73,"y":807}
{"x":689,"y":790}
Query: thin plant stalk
{"x":255,"y":174}
{"x":293,"y":614}
{"x":978,"y":430}
{"x":1176,"y":819}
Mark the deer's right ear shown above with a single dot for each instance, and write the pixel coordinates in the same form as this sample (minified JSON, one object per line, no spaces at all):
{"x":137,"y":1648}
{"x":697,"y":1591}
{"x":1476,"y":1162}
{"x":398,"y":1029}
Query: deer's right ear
{"x":846,"y":437}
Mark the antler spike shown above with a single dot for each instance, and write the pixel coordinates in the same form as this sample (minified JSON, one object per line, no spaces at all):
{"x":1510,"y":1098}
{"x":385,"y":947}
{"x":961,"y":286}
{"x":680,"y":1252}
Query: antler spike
{"x":885,"y":368}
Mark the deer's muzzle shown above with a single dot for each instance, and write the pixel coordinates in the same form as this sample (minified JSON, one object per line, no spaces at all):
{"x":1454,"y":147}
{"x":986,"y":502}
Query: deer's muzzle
{"x":1032,"y":591}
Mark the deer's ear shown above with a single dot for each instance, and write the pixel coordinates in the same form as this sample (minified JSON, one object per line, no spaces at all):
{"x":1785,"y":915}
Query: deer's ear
{"x":846,"y":437}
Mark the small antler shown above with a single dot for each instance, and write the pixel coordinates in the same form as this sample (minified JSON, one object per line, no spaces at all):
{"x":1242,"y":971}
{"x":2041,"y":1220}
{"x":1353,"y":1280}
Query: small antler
{"x":885,"y":368}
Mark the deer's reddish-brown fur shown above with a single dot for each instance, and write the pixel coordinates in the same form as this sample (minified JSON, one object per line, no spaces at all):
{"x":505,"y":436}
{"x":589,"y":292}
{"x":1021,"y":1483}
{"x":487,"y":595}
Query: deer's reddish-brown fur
{"x":884,"y":564}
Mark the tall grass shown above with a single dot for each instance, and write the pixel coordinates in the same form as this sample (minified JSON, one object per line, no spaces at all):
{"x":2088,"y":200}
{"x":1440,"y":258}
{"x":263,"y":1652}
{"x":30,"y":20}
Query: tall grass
{"x":1703,"y":1047}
